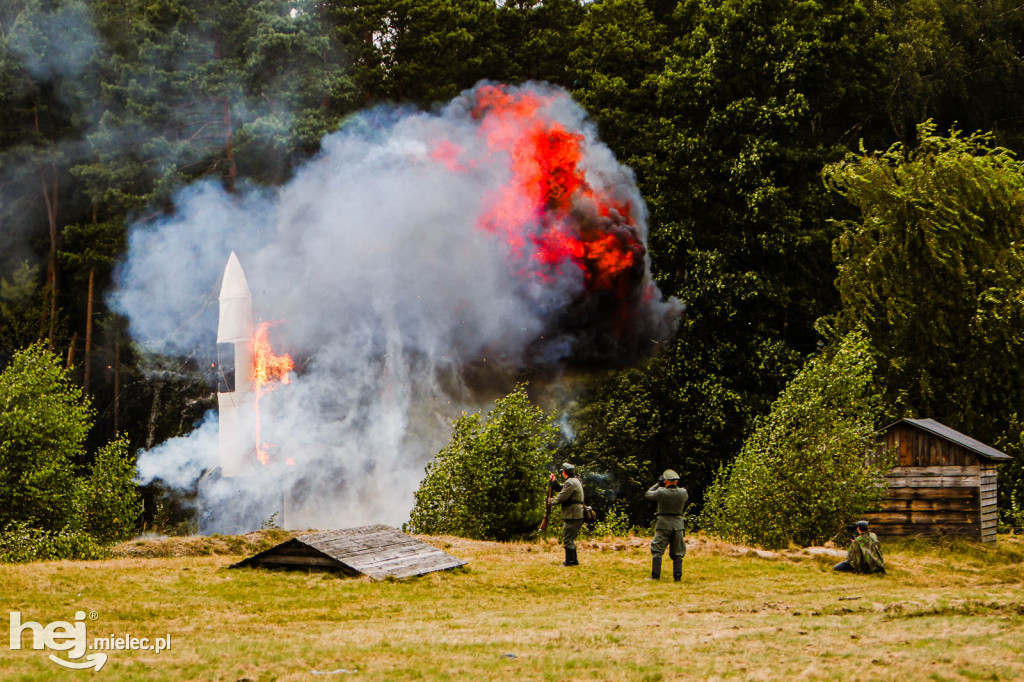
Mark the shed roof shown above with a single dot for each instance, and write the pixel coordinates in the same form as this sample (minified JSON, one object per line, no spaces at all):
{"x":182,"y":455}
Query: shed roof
{"x":943,"y":431}
{"x":375,"y":551}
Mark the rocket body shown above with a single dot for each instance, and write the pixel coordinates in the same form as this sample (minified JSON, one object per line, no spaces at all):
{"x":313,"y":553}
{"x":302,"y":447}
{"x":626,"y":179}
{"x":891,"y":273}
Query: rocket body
{"x":235,"y":397}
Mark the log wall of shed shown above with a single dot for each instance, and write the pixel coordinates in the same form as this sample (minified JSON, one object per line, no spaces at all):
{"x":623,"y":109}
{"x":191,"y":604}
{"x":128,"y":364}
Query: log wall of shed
{"x":934,"y":500}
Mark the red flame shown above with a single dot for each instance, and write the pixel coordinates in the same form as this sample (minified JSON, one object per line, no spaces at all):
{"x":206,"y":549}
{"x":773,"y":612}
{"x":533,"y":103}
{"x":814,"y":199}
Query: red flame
{"x":269,"y":371}
{"x":549,"y":216}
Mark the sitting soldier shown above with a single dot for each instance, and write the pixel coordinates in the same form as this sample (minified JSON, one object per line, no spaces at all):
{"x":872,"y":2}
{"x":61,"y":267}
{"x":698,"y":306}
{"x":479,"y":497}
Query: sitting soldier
{"x":864,"y":555}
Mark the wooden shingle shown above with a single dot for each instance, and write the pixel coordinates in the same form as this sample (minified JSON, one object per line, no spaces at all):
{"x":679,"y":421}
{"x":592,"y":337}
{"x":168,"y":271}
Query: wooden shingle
{"x":375,"y":551}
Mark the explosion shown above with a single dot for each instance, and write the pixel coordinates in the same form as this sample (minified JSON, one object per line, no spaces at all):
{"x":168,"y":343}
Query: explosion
{"x":425,"y":262}
{"x":554,"y":221}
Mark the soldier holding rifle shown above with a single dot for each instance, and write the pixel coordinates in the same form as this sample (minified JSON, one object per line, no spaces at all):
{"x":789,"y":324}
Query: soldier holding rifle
{"x":668,"y":532}
{"x":571,"y":501}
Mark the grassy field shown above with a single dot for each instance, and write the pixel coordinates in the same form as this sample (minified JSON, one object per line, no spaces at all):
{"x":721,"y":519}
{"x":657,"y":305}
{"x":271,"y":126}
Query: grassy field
{"x":946,"y":611}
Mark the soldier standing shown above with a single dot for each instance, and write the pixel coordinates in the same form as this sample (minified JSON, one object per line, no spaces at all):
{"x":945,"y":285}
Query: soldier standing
{"x":668,"y":532}
{"x":864,"y":555}
{"x":571,"y":500}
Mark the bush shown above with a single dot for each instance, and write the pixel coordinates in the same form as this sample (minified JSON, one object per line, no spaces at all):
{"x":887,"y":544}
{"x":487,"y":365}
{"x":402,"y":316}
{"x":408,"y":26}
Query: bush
{"x":20,"y":543}
{"x":489,"y":482}
{"x":803,"y":474}
{"x":109,"y":501}
{"x":615,"y":524}
{"x":44,"y":420}
{"x":48,"y":512}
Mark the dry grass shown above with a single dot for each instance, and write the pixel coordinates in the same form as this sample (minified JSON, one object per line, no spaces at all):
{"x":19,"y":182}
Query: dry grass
{"x":946,"y":611}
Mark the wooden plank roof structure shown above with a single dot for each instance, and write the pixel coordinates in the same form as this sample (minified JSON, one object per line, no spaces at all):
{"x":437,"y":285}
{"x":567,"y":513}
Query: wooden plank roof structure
{"x":942,"y":431}
{"x":375,"y":551}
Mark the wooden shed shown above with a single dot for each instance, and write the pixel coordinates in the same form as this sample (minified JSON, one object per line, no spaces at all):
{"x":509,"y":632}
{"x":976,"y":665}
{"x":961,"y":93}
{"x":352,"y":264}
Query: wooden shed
{"x":375,"y":551}
{"x":943,"y":483}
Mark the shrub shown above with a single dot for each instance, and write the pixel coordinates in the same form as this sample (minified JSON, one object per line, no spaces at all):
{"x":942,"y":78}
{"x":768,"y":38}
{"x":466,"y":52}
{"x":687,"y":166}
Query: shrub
{"x":615,"y":523}
{"x":803,"y":474}
{"x":20,"y":543}
{"x":488,"y":482}
{"x":48,"y":512}
{"x":44,"y":420}
{"x":109,"y":502}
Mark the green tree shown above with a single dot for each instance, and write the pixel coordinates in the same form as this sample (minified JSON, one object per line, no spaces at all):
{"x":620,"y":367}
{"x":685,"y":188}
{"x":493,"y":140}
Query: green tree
{"x":537,"y":39}
{"x":932,"y":270}
{"x":804,"y":472}
{"x":421,"y":51}
{"x":958,"y":63}
{"x":44,"y":421}
{"x":109,"y":503}
{"x":21,"y":308}
{"x":488,"y":481}
{"x":49,"y":66}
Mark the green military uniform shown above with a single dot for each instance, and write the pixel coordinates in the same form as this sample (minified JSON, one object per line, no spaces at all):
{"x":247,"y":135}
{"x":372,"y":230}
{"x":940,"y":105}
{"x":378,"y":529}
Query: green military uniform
{"x":668,"y":531}
{"x":865,"y":554}
{"x":571,"y":500}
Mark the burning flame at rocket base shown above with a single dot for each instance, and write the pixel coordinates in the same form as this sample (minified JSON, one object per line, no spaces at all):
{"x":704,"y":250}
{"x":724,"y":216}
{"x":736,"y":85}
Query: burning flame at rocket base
{"x":269,"y":371}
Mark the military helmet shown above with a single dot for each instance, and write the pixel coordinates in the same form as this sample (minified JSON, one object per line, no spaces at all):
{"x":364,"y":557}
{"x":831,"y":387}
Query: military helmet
{"x":569,"y":469}
{"x":862,"y":526}
{"x":670,"y":475}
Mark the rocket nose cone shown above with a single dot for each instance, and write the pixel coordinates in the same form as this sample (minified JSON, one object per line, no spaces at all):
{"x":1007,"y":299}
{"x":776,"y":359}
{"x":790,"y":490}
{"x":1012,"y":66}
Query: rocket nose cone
{"x":235,"y":305}
{"x":234,"y":284}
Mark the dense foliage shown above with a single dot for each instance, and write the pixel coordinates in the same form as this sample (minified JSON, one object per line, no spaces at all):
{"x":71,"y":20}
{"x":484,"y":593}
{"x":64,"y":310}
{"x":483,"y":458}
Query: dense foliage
{"x":727,"y":110}
{"x":932,"y":269}
{"x":109,"y":504}
{"x":488,"y":481}
{"x":43,"y":423}
{"x":49,"y":510}
{"x":802,"y":475}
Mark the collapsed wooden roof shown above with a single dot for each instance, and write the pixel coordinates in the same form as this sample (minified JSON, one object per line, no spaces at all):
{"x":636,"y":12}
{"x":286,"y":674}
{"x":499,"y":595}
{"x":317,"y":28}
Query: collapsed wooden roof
{"x":375,"y":551}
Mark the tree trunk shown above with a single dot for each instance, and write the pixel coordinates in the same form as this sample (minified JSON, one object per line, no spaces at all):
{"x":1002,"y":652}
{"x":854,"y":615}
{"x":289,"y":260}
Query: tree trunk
{"x":117,"y":385}
{"x":88,"y":332}
{"x":154,"y":413}
{"x":51,"y":192}
{"x":229,"y":150}
{"x":71,"y":350}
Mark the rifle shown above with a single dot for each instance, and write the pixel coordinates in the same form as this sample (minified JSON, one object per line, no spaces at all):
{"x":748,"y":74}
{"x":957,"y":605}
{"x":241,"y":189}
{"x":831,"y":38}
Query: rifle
{"x":547,"y":508}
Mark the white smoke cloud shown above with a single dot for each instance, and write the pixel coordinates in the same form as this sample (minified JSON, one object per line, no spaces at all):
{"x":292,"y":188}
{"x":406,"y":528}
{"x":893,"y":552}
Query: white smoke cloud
{"x":374,"y":261}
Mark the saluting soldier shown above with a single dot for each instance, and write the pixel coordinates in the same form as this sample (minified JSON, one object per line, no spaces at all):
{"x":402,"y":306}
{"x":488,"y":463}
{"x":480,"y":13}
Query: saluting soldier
{"x":668,"y":532}
{"x":571,"y":500}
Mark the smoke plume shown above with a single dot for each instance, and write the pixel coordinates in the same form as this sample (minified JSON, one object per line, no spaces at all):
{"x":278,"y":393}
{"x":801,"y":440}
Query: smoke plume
{"x":416,"y":249}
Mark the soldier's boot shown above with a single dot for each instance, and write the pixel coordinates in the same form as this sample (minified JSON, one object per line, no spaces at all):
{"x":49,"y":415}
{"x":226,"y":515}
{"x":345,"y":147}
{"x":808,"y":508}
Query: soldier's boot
{"x":655,"y":568}
{"x":677,"y":570}
{"x":575,"y":559}
{"x":568,"y":557}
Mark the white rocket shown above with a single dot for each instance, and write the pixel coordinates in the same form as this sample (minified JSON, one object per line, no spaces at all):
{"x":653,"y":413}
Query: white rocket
{"x":235,"y":397}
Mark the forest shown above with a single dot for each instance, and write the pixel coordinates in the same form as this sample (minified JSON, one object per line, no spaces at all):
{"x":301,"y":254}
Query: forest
{"x":816,"y":176}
